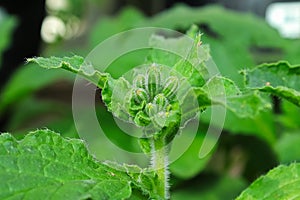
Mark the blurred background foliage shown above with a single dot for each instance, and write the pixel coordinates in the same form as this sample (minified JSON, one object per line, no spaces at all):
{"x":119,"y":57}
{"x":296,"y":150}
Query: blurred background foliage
{"x":32,"y":98}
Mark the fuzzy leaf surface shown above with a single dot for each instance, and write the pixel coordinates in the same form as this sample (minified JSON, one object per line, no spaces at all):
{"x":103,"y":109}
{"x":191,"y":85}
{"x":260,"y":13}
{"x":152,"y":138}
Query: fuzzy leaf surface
{"x":44,"y":165}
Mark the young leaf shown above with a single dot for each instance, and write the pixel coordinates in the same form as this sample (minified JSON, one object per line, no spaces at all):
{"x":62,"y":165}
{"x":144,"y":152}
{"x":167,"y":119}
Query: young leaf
{"x":45,"y":165}
{"x":184,"y":54}
{"x":280,"y":79}
{"x":283,"y":182}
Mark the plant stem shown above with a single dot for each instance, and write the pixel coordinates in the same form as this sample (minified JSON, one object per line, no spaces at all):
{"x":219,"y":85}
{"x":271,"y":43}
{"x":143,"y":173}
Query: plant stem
{"x":159,"y":162}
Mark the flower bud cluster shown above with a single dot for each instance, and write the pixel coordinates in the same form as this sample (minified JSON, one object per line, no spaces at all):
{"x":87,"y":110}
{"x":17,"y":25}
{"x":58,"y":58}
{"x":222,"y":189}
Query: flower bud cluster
{"x":153,"y":100}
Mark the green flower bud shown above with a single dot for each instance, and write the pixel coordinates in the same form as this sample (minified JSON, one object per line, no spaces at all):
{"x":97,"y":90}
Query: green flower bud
{"x":161,"y":101}
{"x":170,"y":86}
{"x":139,"y":81}
{"x":151,"y":109}
{"x":160,"y":118}
{"x":153,"y":80}
{"x":140,"y":95}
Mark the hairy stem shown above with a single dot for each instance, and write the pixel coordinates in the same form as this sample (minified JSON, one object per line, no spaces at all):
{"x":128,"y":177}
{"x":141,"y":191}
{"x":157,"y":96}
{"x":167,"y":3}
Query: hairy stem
{"x":159,"y":162}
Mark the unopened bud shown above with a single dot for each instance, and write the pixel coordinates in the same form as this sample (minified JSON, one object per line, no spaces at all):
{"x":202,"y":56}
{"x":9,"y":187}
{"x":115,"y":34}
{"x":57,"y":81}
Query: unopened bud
{"x":170,"y":86}
{"x":140,"y":95}
{"x":153,"y":80}
{"x":161,"y":100}
{"x":151,"y":109}
{"x":139,"y":81}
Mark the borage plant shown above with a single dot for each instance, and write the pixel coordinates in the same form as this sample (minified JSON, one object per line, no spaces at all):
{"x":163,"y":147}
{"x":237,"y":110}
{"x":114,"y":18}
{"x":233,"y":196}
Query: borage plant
{"x":160,"y":98}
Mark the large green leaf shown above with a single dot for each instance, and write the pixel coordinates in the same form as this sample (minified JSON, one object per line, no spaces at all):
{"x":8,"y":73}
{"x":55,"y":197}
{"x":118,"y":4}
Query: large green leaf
{"x":45,"y":165}
{"x":280,"y":79}
{"x":283,"y":182}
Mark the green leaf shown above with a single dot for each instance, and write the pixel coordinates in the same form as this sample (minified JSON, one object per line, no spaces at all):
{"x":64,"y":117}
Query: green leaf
{"x":73,"y":64}
{"x":45,"y":165}
{"x":184,"y":54}
{"x":287,"y":148}
{"x":222,"y":91}
{"x":280,"y":79}
{"x":283,"y":182}
{"x":261,"y":125}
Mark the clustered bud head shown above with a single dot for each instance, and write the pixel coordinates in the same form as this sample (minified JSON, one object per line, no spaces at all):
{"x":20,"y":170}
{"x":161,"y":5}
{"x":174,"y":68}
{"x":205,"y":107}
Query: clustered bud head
{"x":152,"y":98}
{"x":155,"y":97}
